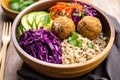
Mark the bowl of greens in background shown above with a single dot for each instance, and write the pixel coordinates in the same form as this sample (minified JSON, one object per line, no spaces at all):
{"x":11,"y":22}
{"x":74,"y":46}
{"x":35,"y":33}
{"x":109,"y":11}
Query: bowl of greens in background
{"x":13,"y":7}
{"x":39,"y":44}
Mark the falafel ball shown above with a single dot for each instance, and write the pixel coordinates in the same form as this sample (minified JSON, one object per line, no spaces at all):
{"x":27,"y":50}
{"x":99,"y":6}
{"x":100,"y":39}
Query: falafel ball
{"x":89,"y":27}
{"x":62,"y":27}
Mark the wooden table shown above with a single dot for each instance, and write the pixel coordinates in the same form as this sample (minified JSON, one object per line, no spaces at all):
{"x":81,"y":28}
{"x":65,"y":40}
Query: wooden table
{"x":13,"y":61}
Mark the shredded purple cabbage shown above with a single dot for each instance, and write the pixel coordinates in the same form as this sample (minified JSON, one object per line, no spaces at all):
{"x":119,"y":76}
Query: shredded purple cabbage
{"x":42,"y":44}
{"x":87,"y":11}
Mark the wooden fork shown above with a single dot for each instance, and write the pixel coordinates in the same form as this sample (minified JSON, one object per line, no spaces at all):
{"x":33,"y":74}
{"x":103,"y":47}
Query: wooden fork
{"x":6,"y":36}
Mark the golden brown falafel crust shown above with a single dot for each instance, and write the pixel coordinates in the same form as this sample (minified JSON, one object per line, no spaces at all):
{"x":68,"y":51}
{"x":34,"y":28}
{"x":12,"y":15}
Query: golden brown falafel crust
{"x":62,"y":27}
{"x":90,"y":27}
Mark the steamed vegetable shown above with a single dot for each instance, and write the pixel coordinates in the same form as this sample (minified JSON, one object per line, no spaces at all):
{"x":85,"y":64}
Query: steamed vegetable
{"x":42,"y":44}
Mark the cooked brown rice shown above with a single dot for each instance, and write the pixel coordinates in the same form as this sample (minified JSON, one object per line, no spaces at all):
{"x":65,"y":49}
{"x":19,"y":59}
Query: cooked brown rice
{"x":73,"y":54}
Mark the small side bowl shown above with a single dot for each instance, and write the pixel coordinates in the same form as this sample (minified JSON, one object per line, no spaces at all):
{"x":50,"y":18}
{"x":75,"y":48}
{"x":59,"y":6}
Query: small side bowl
{"x":62,"y":70}
{"x":10,"y":13}
{"x":6,"y":8}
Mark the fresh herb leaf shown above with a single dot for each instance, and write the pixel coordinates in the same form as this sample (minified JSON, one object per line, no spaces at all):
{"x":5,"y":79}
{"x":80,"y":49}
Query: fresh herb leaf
{"x":12,"y":1}
{"x":21,"y":1}
{"x":74,"y":40}
{"x":69,"y":38}
{"x":74,"y":35}
{"x":19,"y":5}
{"x":90,"y":45}
{"x":22,"y":6}
{"x":15,"y":6}
{"x":27,"y":3}
{"x":79,"y":44}
{"x":46,"y":19}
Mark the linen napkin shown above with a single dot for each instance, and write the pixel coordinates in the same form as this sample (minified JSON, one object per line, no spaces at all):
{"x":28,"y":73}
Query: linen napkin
{"x":109,"y":69}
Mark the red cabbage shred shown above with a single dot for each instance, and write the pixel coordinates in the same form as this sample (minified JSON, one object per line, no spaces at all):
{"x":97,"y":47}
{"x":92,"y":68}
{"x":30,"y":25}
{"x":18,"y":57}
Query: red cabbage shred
{"x":86,"y":11}
{"x":42,"y":44}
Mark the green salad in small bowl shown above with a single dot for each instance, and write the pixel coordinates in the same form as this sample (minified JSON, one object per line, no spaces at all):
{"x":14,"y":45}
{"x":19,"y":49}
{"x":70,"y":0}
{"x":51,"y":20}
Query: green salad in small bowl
{"x":19,"y":5}
{"x":13,"y":7}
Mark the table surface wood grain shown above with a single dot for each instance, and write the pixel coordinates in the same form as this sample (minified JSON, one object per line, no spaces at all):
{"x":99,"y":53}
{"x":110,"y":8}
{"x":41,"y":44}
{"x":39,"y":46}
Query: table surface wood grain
{"x":14,"y":62}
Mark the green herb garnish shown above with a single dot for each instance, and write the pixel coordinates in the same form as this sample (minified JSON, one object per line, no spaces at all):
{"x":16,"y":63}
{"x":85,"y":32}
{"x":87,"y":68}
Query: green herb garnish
{"x":75,"y":40}
{"x":80,"y":43}
{"x":90,"y":45}
{"x":81,"y":14}
{"x":46,"y":19}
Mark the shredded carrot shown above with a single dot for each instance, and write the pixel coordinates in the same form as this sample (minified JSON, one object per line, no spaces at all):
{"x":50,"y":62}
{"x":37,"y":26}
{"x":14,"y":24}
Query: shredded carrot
{"x":67,"y":7}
